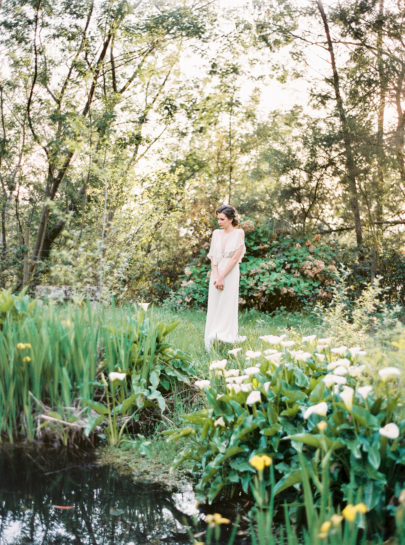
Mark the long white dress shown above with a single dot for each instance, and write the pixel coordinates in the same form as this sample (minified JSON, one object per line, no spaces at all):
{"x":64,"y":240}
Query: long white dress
{"x":222,"y":312}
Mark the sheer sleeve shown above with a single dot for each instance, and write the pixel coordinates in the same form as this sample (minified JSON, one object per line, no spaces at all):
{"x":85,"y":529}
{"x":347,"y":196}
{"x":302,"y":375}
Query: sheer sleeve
{"x":214,"y":252}
{"x":236,"y":243}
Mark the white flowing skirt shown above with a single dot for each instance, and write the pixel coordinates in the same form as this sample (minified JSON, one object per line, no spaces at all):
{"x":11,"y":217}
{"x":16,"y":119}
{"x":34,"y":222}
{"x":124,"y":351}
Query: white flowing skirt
{"x":222,"y":311}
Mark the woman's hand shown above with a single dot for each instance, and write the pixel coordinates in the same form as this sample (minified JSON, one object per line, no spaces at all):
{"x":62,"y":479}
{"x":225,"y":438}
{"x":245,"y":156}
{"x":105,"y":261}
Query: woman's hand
{"x":219,"y":282}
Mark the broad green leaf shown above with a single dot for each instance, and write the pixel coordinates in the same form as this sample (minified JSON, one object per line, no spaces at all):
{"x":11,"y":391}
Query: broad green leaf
{"x":287,"y":481}
{"x":98,"y":407}
{"x":317,"y":441}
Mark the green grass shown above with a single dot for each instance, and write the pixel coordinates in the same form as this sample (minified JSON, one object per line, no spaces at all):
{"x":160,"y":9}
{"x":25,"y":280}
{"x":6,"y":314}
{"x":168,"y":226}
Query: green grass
{"x":189,"y":334}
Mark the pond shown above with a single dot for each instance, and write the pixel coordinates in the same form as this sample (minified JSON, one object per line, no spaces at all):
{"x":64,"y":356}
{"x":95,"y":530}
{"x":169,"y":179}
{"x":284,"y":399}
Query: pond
{"x":50,"y":498}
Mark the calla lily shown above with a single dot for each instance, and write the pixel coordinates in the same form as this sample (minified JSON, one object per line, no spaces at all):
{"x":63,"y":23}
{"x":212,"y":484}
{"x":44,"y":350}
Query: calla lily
{"x":218,"y":364}
{"x":341,"y":362}
{"x":144,"y":306}
{"x":309,"y":338}
{"x":390,"y":430}
{"x":332,"y":379}
{"x":246,"y":388}
{"x":340,"y":370}
{"x":202,"y":384}
{"x":272,"y":339}
{"x":275,"y":358}
{"x":357,"y":351}
{"x":232,"y":373}
{"x":355,"y":370}
{"x":365,"y":391}
{"x":234,"y":388}
{"x":300,"y":355}
{"x":388,"y":373}
{"x":287,"y":344}
{"x":234,"y":351}
{"x":347,"y":397}
{"x":116,"y":376}
{"x":252,"y":370}
{"x":254,"y":397}
{"x":340,"y":350}
{"x":250,"y":354}
{"x":240,"y":379}
{"x":320,"y":409}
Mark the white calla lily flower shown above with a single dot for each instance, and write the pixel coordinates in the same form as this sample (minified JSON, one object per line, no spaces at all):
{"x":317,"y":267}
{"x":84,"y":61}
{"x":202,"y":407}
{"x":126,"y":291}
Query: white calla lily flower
{"x":234,"y":351}
{"x":347,"y":397}
{"x":332,"y":379}
{"x":357,"y":351}
{"x":254,"y":397}
{"x":231,"y":373}
{"x":300,"y":355}
{"x":355,"y":370}
{"x":246,"y":387}
{"x":338,"y":363}
{"x":390,"y":430}
{"x":113,"y":376}
{"x":272,"y":339}
{"x":388,"y":373}
{"x":252,"y":370}
{"x":218,"y":364}
{"x":339,"y":350}
{"x":287,"y":344}
{"x":202,"y":384}
{"x":320,"y":409}
{"x":365,"y":391}
{"x":251,"y":354}
{"x":309,"y":338}
{"x":341,"y":370}
{"x":220,"y":422}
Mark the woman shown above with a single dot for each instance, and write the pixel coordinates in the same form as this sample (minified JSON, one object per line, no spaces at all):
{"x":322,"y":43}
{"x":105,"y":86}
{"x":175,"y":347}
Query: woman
{"x":226,"y":252}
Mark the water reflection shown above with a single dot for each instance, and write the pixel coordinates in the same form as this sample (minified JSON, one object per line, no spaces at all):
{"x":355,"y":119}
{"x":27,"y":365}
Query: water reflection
{"x":76,"y":504}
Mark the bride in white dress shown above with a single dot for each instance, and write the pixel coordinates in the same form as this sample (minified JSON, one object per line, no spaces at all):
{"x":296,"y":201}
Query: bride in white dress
{"x":226,"y":252}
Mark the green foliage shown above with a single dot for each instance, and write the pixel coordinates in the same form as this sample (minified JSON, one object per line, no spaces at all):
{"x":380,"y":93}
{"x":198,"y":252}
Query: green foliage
{"x":17,"y":306}
{"x":275,"y":407}
{"x":55,"y":356}
{"x":278,"y":271}
{"x":354,"y":320}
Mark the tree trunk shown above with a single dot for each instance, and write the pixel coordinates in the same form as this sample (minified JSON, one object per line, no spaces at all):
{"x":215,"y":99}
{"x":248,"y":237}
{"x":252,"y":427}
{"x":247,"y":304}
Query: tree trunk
{"x":380,"y":117}
{"x":350,"y":166}
{"x":400,"y":129}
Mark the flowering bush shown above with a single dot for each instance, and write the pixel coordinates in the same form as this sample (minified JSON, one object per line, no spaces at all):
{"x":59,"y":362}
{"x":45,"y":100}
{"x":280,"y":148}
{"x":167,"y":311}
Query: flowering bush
{"x":290,"y":400}
{"x":278,"y":270}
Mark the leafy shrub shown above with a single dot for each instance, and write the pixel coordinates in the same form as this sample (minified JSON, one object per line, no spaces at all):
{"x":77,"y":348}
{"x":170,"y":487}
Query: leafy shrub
{"x":278,"y":271}
{"x":371,"y":314}
{"x":388,"y":265}
{"x":314,"y":402}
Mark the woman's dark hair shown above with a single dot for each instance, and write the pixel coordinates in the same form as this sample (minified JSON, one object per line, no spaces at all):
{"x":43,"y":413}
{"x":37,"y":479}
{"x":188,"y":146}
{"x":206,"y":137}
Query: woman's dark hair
{"x":229,"y":212}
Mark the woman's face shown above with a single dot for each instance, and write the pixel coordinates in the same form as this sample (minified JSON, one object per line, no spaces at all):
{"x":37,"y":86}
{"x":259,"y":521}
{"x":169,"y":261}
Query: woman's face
{"x":223,"y":221}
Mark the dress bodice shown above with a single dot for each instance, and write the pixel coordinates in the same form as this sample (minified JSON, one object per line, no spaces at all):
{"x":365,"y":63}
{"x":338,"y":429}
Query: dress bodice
{"x":224,"y":245}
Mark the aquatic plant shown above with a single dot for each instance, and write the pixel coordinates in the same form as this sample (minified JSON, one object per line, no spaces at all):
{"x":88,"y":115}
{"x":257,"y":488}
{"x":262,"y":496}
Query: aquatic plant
{"x":52,"y":359}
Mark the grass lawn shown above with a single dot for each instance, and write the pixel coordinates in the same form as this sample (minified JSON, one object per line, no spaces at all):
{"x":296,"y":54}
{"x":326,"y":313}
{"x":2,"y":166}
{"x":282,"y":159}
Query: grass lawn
{"x":189,"y":334}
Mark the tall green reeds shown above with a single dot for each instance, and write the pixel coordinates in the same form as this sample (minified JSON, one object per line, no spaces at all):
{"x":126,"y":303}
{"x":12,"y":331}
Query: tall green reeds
{"x":51,"y":356}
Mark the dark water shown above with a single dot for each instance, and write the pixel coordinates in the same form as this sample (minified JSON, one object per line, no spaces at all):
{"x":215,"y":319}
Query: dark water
{"x":106,"y":508}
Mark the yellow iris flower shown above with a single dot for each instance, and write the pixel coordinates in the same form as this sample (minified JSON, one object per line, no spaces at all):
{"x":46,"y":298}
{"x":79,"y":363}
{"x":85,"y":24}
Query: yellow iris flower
{"x":260,"y":462}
